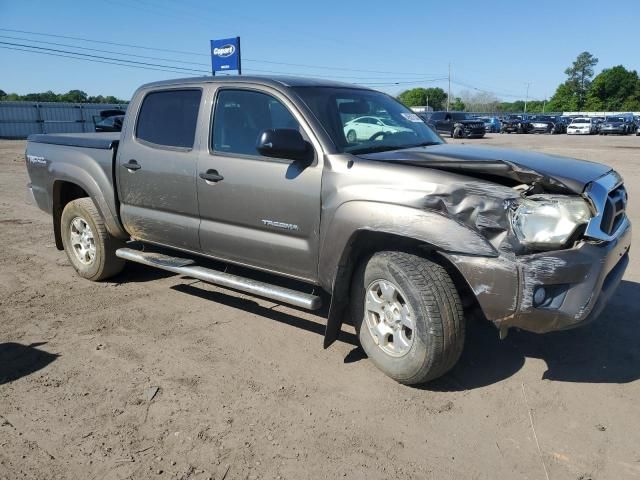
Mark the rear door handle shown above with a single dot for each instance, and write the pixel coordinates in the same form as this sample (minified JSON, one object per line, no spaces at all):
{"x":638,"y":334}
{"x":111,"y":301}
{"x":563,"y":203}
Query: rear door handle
{"x":211,"y":176}
{"x":132,"y":165}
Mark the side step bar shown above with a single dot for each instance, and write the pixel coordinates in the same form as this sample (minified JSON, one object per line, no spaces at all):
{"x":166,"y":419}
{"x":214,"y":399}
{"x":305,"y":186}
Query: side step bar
{"x":183,"y":266}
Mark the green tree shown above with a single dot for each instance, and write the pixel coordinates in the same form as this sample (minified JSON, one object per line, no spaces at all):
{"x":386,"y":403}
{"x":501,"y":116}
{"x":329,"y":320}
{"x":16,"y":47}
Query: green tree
{"x":434,"y":97}
{"x":3,"y":94}
{"x":614,"y":89}
{"x":112,"y":99}
{"x":74,"y":96}
{"x":457,"y":105}
{"x":565,"y":99}
{"x":517,"y":106}
{"x":632,"y":103}
{"x":579,"y":76}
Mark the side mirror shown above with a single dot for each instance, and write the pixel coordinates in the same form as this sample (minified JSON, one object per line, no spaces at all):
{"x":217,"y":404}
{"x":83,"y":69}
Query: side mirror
{"x":284,"y":143}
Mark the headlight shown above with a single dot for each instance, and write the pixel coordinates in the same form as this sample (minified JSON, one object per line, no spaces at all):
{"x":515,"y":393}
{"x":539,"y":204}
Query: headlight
{"x":548,"y":221}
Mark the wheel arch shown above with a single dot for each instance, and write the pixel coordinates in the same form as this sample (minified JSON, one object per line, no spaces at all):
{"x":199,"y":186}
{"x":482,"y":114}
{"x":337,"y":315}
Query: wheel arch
{"x":63,"y":192}
{"x":362,"y":244}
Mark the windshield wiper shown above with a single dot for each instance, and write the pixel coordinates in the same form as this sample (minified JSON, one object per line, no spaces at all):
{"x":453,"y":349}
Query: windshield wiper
{"x":377,"y":148}
{"x":387,"y":148}
{"x":423,"y":144}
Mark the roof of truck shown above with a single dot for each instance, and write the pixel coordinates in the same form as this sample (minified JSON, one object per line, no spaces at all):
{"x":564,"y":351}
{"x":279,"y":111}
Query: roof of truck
{"x":275,"y":81}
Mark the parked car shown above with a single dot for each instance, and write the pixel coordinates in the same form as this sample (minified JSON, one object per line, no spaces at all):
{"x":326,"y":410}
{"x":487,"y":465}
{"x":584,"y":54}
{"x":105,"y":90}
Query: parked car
{"x":598,"y":121}
{"x":368,"y":128}
{"x":618,"y":124}
{"x":515,"y":124}
{"x":547,"y":124}
{"x":582,"y":126}
{"x":491,"y":124}
{"x":110,"y":124}
{"x":406,"y":235}
{"x":457,"y":124}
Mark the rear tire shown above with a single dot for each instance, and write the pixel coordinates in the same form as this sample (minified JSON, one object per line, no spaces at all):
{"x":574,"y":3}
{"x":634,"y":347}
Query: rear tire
{"x":408,"y":316}
{"x":89,"y":246}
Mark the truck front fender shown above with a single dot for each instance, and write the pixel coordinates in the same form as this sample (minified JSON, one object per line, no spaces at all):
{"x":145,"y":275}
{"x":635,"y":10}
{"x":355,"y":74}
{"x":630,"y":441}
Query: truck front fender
{"x":395,"y":223}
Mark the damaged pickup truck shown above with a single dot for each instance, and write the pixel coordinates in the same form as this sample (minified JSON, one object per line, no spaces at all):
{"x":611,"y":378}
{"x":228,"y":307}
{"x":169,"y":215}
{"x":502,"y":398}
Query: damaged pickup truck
{"x":407,"y":236}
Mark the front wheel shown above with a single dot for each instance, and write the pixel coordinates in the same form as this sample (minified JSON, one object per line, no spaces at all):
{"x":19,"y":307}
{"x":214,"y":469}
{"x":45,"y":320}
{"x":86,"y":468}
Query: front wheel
{"x":87,"y":243}
{"x":351,"y":136}
{"x":408,"y":316}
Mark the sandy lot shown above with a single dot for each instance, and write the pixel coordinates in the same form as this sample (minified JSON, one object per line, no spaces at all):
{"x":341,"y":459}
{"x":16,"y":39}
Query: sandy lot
{"x":157,"y":376}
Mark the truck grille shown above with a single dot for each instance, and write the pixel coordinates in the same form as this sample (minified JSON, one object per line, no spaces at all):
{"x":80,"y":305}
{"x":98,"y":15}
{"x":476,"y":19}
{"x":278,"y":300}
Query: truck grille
{"x":609,"y":197}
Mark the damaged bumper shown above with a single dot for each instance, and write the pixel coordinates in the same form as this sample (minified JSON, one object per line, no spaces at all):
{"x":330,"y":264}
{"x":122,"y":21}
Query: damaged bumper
{"x":548,"y":291}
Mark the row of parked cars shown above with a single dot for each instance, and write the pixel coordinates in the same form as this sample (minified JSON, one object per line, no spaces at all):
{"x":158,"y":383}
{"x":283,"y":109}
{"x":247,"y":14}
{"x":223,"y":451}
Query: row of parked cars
{"x":463,"y":125}
{"x":467,"y":125}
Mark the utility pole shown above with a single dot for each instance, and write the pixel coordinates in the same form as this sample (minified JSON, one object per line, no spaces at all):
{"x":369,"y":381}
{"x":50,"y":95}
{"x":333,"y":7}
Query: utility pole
{"x":449,"y":94}
{"x":544,"y":104}
{"x":526,"y":99}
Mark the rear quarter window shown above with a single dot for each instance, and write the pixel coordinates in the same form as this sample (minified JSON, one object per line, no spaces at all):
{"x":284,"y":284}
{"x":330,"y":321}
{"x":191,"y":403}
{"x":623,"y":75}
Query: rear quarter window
{"x":169,"y":117}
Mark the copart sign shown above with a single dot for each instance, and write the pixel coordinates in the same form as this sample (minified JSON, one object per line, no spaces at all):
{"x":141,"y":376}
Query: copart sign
{"x":225,"y":55}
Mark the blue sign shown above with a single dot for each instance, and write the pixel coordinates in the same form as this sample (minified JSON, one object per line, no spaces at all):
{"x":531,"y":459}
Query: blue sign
{"x":225,"y":55}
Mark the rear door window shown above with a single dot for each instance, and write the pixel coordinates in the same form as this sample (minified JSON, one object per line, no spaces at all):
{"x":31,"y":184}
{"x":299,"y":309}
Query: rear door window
{"x":169,"y":118}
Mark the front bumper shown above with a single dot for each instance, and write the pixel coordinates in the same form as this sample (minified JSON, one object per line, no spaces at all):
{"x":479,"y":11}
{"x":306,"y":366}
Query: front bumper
{"x":618,"y":130}
{"x":580,"y":281}
{"x":578,"y":132}
{"x":544,"y":129}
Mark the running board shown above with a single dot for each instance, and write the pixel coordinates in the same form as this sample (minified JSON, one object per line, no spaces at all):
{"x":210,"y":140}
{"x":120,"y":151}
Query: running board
{"x":183,"y":266}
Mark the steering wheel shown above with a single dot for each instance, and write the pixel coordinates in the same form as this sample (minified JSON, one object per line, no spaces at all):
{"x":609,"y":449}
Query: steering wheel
{"x":376,"y":135}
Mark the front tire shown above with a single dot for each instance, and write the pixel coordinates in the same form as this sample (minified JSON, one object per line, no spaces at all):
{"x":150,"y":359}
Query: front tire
{"x":408,"y":316}
{"x":351,"y":136}
{"x":88,"y":245}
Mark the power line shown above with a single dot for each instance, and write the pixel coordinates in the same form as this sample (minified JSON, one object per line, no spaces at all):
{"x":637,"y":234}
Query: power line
{"x":128,"y":45}
{"x":88,"y":59}
{"x":104,"y":51}
{"x":178,"y":69}
{"x":353,"y":77}
{"x":145,"y":65}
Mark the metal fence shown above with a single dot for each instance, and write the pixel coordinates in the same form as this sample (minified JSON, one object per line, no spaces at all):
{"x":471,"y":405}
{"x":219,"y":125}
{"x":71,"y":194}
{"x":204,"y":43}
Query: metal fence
{"x":21,"y":119}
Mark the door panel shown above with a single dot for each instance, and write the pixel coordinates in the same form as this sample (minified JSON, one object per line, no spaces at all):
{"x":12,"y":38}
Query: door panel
{"x":157,"y":170}
{"x":264,"y":212}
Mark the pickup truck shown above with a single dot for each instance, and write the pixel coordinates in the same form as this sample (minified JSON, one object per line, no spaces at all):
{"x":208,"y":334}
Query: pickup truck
{"x":457,"y":124}
{"x":406,"y":236}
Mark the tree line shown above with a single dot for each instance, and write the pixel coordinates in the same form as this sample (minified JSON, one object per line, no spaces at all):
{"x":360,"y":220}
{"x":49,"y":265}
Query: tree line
{"x":72,"y":96}
{"x":613,"y":89}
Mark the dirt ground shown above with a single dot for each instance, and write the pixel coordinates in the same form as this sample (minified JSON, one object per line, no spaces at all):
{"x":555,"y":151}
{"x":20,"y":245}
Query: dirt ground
{"x":157,"y":376}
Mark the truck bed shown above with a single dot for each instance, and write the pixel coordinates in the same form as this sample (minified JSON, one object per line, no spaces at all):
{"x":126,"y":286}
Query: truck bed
{"x":103,"y":141}
{"x":86,"y":160}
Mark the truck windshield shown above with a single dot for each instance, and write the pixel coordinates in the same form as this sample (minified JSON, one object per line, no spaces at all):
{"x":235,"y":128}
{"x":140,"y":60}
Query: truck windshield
{"x":363,"y":121}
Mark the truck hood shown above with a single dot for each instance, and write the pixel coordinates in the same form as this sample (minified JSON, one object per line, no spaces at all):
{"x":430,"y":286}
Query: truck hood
{"x":551,"y":171}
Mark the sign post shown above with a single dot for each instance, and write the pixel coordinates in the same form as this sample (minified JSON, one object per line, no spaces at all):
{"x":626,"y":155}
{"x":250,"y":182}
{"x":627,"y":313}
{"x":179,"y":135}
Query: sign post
{"x":225,"y":55}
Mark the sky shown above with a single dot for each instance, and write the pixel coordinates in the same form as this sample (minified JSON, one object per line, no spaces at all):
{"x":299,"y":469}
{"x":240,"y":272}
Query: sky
{"x":493,"y":46}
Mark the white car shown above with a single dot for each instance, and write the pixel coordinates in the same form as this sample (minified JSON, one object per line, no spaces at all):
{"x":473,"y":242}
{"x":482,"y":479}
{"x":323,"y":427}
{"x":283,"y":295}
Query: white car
{"x":582,"y":126}
{"x":364,"y":128}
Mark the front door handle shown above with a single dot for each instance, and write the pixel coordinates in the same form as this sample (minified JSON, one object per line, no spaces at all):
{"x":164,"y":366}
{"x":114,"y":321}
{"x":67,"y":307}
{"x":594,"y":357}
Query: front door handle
{"x":132,"y":165}
{"x":211,"y":176}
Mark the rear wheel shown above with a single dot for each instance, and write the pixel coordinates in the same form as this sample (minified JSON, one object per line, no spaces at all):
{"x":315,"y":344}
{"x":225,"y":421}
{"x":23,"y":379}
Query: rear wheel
{"x":408,"y":316}
{"x":88,"y":245}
